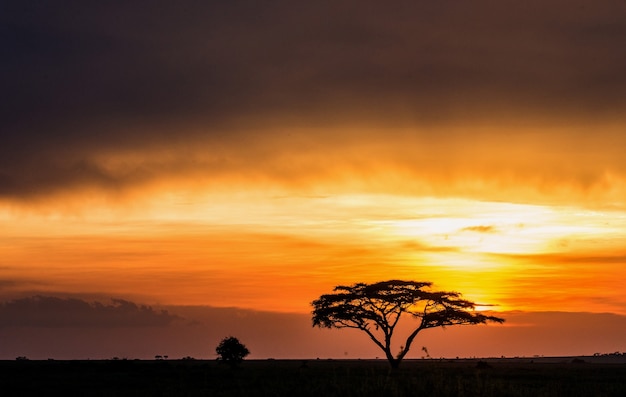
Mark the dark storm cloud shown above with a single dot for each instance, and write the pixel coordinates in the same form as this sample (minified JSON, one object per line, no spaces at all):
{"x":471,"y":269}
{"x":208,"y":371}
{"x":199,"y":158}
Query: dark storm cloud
{"x":46,"y":311}
{"x":82,"y":78}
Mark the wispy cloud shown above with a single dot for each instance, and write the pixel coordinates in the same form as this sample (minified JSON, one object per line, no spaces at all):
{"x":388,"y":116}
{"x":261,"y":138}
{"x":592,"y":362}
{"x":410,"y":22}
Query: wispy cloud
{"x":480,"y":229}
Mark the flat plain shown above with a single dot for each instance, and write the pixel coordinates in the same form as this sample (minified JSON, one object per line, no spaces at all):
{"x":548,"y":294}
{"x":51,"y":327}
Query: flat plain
{"x":492,"y":377}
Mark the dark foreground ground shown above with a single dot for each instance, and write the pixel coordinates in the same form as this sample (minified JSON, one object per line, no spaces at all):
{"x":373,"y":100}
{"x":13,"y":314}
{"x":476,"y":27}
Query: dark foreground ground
{"x":313,"y":378}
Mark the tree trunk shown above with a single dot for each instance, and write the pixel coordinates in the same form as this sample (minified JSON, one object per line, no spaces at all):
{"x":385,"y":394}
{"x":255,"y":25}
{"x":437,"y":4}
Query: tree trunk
{"x":393,"y":361}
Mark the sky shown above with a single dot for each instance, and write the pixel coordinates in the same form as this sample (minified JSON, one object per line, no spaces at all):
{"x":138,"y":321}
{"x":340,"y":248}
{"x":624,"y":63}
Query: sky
{"x":168,"y":169}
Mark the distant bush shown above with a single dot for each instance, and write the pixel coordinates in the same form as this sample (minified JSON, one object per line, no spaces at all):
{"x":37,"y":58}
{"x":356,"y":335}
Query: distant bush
{"x":231,"y":351}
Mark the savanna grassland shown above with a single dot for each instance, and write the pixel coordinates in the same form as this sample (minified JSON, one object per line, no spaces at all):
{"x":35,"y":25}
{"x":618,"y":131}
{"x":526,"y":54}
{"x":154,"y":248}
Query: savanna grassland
{"x":312,"y":378}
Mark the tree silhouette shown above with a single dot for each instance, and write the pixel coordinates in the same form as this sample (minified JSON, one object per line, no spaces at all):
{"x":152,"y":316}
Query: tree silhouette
{"x":376,"y":309}
{"x":231,"y":351}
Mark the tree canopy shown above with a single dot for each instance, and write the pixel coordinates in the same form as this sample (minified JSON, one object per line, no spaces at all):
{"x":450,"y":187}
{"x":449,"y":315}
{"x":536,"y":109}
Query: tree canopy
{"x":231,"y":351}
{"x":376,"y":309}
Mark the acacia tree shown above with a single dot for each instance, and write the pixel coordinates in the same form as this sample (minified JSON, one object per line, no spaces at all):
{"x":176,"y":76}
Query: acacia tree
{"x":376,"y":309}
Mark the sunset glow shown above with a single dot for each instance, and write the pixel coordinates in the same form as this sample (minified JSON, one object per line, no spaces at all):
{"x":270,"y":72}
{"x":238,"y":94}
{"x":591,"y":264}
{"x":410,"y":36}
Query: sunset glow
{"x":247,"y":250}
{"x":252,"y":158}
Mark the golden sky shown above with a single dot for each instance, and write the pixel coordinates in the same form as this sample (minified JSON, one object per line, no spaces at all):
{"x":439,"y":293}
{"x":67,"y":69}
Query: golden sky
{"x":253,"y":155}
{"x":276,"y":252}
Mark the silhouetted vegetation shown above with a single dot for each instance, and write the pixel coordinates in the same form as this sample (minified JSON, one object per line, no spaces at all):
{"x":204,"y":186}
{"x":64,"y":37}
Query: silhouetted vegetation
{"x":345,"y":378}
{"x":377,"y":308}
{"x":231,"y":351}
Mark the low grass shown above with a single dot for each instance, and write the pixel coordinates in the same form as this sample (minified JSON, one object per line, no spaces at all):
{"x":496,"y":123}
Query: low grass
{"x":317,"y":378}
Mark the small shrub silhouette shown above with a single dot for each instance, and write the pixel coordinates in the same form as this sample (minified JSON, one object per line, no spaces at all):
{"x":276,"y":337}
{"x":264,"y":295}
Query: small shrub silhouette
{"x":231,"y":351}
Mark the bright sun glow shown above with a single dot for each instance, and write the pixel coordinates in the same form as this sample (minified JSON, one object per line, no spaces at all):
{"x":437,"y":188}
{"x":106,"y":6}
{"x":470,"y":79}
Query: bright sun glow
{"x":177,"y":245}
{"x":482,"y":227}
